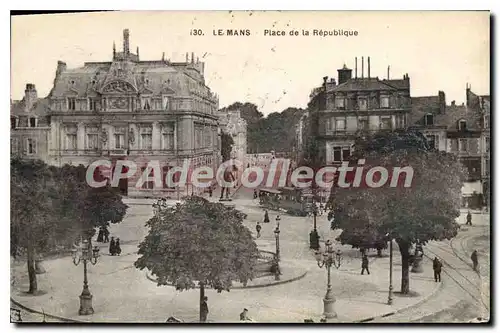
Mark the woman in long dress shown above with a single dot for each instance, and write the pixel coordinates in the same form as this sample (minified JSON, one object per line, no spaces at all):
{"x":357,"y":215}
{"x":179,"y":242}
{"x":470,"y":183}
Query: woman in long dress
{"x":112,"y":247}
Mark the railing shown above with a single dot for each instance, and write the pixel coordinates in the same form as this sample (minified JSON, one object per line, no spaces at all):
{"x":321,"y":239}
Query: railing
{"x":264,"y":266}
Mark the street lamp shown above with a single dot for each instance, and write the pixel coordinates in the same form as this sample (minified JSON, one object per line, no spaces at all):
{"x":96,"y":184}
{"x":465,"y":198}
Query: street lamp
{"x":86,"y":254}
{"x":277,"y":256}
{"x":328,"y":259}
{"x":313,"y":235}
{"x":389,"y":299}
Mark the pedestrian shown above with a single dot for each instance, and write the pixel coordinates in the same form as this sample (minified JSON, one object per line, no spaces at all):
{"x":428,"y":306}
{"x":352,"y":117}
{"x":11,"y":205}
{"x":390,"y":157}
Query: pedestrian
{"x":258,"y":227}
{"x":204,"y":310}
{"x":106,"y":234}
{"x":364,"y":264}
{"x":112,"y":248}
{"x":254,"y":193}
{"x":266,"y":217}
{"x":473,"y":257}
{"x":100,"y":235}
{"x":244,"y":315}
{"x":118,"y":249}
{"x":469,"y":218}
{"x":210,"y":191}
{"x":436,"y":266}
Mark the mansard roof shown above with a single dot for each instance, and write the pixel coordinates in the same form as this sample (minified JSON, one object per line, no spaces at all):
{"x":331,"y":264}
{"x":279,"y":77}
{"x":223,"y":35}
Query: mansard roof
{"x":365,"y":84}
{"x":151,"y":77}
{"x":40,"y":108}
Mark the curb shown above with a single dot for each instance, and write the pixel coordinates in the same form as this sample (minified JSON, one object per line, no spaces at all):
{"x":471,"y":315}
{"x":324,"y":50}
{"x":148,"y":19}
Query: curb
{"x":44,"y":314}
{"x":248,"y":287}
{"x":436,"y":289}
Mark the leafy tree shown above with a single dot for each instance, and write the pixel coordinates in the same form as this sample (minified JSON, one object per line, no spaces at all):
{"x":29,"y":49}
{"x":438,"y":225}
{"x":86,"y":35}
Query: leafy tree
{"x":31,"y":205}
{"x":422,"y":212}
{"x":227,"y":143}
{"x":274,"y":132}
{"x":198,"y":242}
{"x":53,"y":207}
{"x":359,"y":233}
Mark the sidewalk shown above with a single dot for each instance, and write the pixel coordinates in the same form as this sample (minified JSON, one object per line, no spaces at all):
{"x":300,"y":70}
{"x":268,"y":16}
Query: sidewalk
{"x":124,"y":294}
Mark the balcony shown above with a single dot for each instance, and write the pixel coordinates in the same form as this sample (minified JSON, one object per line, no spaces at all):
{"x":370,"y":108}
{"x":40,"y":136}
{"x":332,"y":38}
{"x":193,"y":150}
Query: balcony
{"x":118,"y":152}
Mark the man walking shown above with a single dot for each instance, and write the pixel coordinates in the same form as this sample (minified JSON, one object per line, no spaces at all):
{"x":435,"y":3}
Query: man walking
{"x":204,"y":310}
{"x":364,"y":265}
{"x":469,"y":218}
{"x":258,"y":227}
{"x":436,"y":266}
{"x":473,"y":257}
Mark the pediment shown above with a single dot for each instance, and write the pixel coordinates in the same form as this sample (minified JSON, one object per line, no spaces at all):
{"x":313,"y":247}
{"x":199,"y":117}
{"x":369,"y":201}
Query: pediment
{"x":167,"y":91}
{"x":118,"y":87}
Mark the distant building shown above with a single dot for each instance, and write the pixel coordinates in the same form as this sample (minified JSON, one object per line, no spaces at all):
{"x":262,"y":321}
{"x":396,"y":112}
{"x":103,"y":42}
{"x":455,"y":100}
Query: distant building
{"x":233,"y":124}
{"x":126,"y":108}
{"x":462,"y":130}
{"x":338,"y":113}
{"x":30,"y":126}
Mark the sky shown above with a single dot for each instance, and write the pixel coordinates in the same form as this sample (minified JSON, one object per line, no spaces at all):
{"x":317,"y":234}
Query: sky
{"x":438,"y":50}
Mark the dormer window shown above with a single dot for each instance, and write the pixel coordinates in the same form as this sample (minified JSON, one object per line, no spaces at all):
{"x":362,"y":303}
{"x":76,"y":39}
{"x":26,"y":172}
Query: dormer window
{"x":71,"y":104}
{"x":146,"y":103}
{"x":14,"y":122}
{"x":429,"y":119}
{"x":462,"y":125}
{"x":33,"y":122}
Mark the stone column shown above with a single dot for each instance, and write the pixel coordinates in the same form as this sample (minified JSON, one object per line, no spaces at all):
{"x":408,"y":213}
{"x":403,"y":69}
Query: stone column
{"x":80,"y":136}
{"x":156,"y":136}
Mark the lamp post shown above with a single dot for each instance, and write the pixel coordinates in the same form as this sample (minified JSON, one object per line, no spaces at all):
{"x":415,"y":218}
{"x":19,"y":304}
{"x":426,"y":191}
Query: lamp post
{"x":277,"y":236}
{"x":328,"y":259}
{"x":313,"y":235}
{"x":85,"y":254}
{"x":277,"y":271}
{"x":389,"y":299}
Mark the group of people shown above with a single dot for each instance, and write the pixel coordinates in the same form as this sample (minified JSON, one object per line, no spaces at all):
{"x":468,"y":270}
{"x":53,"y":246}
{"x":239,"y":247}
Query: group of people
{"x":103,"y":235}
{"x":204,"y":312}
{"x":114,"y":247}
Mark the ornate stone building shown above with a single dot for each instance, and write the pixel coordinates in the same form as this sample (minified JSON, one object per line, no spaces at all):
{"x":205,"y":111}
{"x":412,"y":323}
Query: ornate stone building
{"x":133,"y":109}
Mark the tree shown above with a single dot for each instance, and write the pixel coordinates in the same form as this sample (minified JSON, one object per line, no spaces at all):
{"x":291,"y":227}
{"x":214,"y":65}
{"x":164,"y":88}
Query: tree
{"x":32,"y":225}
{"x":85,"y":208}
{"x":53,"y":207}
{"x":227,"y":143}
{"x":422,"y":212}
{"x":362,"y":235}
{"x":198,"y":242}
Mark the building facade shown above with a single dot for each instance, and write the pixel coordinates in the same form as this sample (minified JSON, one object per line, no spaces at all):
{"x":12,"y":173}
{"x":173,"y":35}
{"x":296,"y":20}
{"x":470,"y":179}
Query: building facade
{"x":136,"y":110}
{"x":462,"y":130}
{"x":233,"y":124}
{"x":30,"y":126}
{"x":338,"y":113}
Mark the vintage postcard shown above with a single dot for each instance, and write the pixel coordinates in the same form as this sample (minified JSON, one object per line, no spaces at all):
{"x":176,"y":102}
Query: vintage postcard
{"x":250,"y":167}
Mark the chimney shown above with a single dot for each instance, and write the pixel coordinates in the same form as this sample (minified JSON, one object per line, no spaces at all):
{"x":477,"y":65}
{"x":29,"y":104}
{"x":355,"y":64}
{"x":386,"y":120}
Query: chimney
{"x":368,"y":67}
{"x":362,"y":67}
{"x":192,"y":57}
{"x":442,"y":102}
{"x":30,"y":96}
{"x":126,"y":43}
{"x":163,"y":56}
{"x":452,"y":103}
{"x":388,"y":70}
{"x":187,"y":57}
{"x":345,"y":74}
{"x":325,"y":78}
{"x":356,"y":67}
{"x":137,"y":52}
{"x":114,"y":50}
{"x":61,"y":67}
